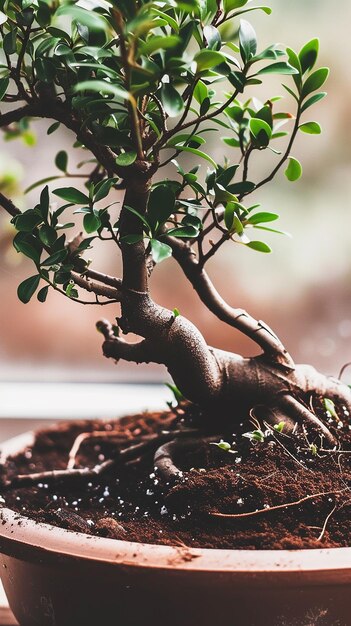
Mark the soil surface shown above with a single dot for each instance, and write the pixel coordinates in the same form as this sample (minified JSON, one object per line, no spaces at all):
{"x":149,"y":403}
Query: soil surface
{"x":284,"y":492}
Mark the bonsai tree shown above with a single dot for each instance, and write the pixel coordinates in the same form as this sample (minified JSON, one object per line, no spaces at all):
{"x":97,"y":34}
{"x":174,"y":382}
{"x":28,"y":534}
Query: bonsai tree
{"x":139,"y":84}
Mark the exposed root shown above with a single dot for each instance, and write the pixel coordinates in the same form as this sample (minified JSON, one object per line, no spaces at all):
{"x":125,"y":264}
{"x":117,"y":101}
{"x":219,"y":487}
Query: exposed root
{"x":277,"y":507}
{"x":58,"y":476}
{"x":164,"y":456}
{"x":302,"y":415}
{"x":320,"y":537}
{"x":98,"y":435}
{"x":146,"y":444}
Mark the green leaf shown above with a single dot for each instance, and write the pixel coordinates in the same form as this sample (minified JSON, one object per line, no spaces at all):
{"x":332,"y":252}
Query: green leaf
{"x":27,"y":221}
{"x":91,"y":223}
{"x":261,"y":131}
{"x":208,"y":59}
{"x":230,"y":5}
{"x":186,"y":232}
{"x":158,"y":43}
{"x":125,"y":159}
{"x":259,"y":218}
{"x":248,"y":41}
{"x":330,"y":407}
{"x":315,"y":81}
{"x":312,"y":100}
{"x":308,"y":55}
{"x":29,"y":246}
{"x":311,"y":128}
{"x":52,"y":128}
{"x":281,"y":67}
{"x":87,"y":17}
{"x":41,"y":182}
{"x":160,"y":251}
{"x":47,"y":235}
{"x":70,"y":194}
{"x":198,"y":153}
{"x":104,"y":87}
{"x":212,"y":37}
{"x":4,"y":83}
{"x":260,"y":246}
{"x":28,"y":288}
{"x":172,"y":101}
{"x":259,"y":7}
{"x":294,"y":170}
{"x":200,"y":92}
{"x":161,"y":204}
{"x":43,"y":294}
{"x":55,"y":258}
{"x":61,"y":160}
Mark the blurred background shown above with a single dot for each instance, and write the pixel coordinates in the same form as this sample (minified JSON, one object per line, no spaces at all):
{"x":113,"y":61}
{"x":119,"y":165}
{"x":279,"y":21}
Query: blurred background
{"x":303,"y":289}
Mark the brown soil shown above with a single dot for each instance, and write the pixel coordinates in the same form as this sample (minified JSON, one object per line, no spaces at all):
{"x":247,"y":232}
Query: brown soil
{"x":132,"y":503}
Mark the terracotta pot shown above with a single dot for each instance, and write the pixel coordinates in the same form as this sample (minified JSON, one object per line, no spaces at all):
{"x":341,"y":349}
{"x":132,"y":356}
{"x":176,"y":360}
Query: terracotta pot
{"x":55,"y":577}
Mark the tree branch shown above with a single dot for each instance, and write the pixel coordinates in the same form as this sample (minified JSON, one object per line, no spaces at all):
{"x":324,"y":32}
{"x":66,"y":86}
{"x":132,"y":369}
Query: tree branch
{"x":116,"y":348}
{"x":258,"y":331}
{"x":93,"y":287}
{"x":8,"y":205}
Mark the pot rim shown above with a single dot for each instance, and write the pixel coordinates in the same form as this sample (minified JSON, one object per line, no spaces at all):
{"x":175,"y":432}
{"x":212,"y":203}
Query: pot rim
{"x":21,"y":532}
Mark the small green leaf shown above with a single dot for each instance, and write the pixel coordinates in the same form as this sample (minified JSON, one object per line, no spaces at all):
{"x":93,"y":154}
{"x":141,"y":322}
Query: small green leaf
{"x":161,"y":204}
{"x":230,"y":5}
{"x":281,"y":67}
{"x":103,"y":87}
{"x":208,"y":59}
{"x":311,"y":128}
{"x":52,"y":128}
{"x":200,"y":92}
{"x":87,"y":17}
{"x":279,"y":427}
{"x":315,"y":81}
{"x":176,"y":312}
{"x":4,"y":83}
{"x":61,"y":160}
{"x":294,"y":170}
{"x":312,"y":100}
{"x":91,"y":223}
{"x":158,"y":42}
{"x":48,"y":235}
{"x":330,"y":407}
{"x":259,"y":218}
{"x":258,"y":126}
{"x":125,"y":159}
{"x":27,"y":221}
{"x":198,"y":153}
{"x":260,"y":246}
{"x":308,"y":55}
{"x":160,"y":251}
{"x":41,"y":182}
{"x":28,"y":288}
{"x":70,"y":194}
{"x":43,"y":294}
{"x":248,"y":41}
{"x":172,"y":101}
{"x":55,"y":258}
